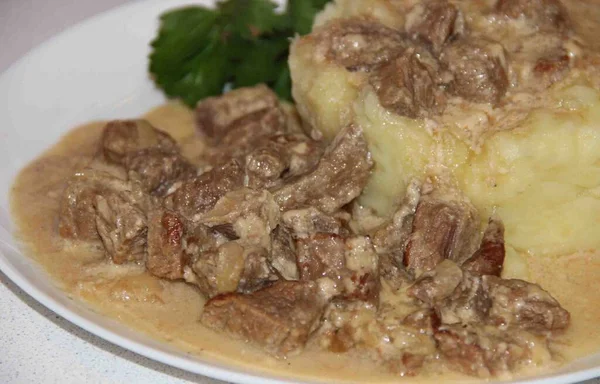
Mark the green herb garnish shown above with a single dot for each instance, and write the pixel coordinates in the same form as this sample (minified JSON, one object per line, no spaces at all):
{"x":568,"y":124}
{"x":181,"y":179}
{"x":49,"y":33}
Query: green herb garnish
{"x":239,"y":43}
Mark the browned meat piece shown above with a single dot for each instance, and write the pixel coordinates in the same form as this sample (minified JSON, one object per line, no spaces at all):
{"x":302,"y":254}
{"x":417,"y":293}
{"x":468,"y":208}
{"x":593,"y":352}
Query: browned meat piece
{"x":157,"y":169}
{"x":407,"y":85}
{"x":219,"y":271}
{"x":251,"y":214}
{"x":478,"y":68}
{"x":339,"y":177}
{"x":278,"y":318}
{"x":306,"y":222}
{"x":468,"y":304}
{"x":544,"y":14}
{"x":216,"y":117}
{"x":246,"y":134}
{"x":265,"y":166}
{"x":442,"y":229}
{"x":257,"y":271}
{"x":122,"y":226}
{"x":436,"y":285}
{"x":166,"y":256}
{"x":281,"y":157}
{"x":526,"y":305}
{"x":489,"y":258}
{"x":393,"y":236}
{"x":436,"y":22}
{"x":359,"y":44}
{"x":283,"y":254}
{"x":321,"y":255}
{"x":77,"y":217}
{"x":200,"y":194}
{"x":480,"y":351}
{"x":122,"y":137}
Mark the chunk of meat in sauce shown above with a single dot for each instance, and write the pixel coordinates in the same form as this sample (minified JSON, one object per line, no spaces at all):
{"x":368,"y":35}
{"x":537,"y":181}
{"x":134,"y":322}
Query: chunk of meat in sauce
{"x":122,"y":225}
{"x":250,"y":214}
{"x":363,"y":263}
{"x":123,"y":137}
{"x":442,"y":229}
{"x":525,"y":305}
{"x":283,"y":254}
{"x":479,"y":70}
{"x":305,"y":222}
{"x":489,"y":258}
{"x":542,"y":14}
{"x":257,"y":272}
{"x":247,"y":133}
{"x":200,"y":194}
{"x":436,"y":285}
{"x":278,"y":318}
{"x":480,"y":351}
{"x":166,"y":256}
{"x":552,"y":67}
{"x":77,"y":215}
{"x":408,"y":84}
{"x":321,"y":255}
{"x":157,"y":169}
{"x":339,"y":177}
{"x":216,"y":117}
{"x":219,"y":271}
{"x":436,"y":22}
{"x":392,"y":237}
{"x":358,"y":44}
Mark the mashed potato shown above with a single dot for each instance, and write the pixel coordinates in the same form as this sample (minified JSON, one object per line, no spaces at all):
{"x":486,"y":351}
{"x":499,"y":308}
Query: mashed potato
{"x":534,"y":158}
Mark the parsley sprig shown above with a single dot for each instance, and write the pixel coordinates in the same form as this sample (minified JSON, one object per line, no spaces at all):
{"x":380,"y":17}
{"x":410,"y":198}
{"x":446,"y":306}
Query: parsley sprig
{"x":199,"y":50}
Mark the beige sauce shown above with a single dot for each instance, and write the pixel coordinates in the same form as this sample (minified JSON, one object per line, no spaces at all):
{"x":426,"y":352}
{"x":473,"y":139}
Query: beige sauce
{"x":170,"y":311}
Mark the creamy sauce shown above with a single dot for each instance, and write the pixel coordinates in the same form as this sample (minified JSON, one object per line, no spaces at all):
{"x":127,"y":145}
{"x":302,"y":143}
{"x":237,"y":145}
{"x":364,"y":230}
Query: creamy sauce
{"x":170,"y":311}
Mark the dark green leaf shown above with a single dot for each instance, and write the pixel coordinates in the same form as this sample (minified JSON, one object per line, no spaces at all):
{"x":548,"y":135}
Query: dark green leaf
{"x":249,"y":19}
{"x":262,"y":62}
{"x":302,"y":14}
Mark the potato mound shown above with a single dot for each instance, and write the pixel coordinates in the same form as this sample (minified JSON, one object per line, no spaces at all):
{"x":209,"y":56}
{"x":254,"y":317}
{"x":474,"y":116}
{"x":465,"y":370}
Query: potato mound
{"x":534,"y":157}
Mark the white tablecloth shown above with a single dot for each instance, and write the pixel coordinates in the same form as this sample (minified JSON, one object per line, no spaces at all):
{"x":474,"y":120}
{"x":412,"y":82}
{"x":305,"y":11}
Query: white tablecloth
{"x":37,"y":346}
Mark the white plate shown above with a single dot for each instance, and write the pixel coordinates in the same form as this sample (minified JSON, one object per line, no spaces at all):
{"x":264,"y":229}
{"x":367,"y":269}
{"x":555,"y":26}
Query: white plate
{"x":98,"y":70}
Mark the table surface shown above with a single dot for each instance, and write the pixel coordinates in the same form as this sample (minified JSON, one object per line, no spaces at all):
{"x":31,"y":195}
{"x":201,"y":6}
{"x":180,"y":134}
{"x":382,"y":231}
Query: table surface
{"x":37,"y":345}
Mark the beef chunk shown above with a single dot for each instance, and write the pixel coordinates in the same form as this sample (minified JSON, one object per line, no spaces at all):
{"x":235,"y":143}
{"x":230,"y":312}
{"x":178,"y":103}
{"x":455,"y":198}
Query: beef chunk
{"x":408,"y":84}
{"x":392,"y":237}
{"x":247,"y":133}
{"x":278,"y":318}
{"x":77,"y":217}
{"x":122,"y":225}
{"x":480,"y":351}
{"x":425,"y":320}
{"x":442,"y":229}
{"x":166,"y":256}
{"x":525,"y":305}
{"x":156,"y":169}
{"x":436,"y":285}
{"x":219,"y":271}
{"x":200,"y":194}
{"x":436,"y":22}
{"x":339,"y":177}
{"x":321,"y":255}
{"x":478,"y":68}
{"x":257,"y":272}
{"x":306,"y":222}
{"x":359,"y":44}
{"x":283,"y":254}
{"x":489,"y":258}
{"x":251,"y":214}
{"x":122,"y":137}
{"x":265,"y":166}
{"x":217,"y":116}
{"x":544,"y":14}
{"x":393,"y":273}
{"x":468,"y":304}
